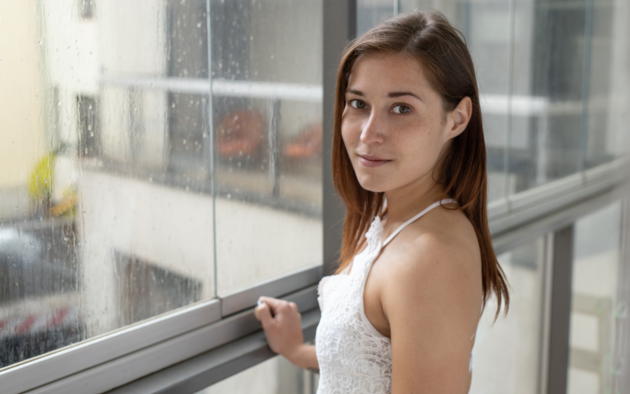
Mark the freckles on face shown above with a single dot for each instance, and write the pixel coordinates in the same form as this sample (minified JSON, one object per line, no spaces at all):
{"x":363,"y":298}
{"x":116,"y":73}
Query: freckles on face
{"x":392,"y":121}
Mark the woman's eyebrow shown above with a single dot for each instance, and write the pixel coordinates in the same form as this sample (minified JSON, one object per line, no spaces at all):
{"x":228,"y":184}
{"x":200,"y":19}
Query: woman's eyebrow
{"x":391,"y":94}
{"x":354,"y":91}
{"x":398,"y":94}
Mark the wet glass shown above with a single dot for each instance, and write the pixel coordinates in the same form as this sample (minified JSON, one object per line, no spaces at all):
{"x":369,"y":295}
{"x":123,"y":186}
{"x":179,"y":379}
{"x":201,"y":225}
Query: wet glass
{"x":106,"y":226}
{"x":268,"y":137}
{"x":146,"y":167}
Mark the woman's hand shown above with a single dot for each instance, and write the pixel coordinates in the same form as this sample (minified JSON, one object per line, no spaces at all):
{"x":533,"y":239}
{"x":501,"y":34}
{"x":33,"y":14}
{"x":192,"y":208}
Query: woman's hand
{"x":282,"y":324}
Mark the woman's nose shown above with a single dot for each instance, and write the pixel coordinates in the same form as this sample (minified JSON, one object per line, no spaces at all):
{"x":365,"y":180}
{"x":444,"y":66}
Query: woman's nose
{"x":371,"y":131}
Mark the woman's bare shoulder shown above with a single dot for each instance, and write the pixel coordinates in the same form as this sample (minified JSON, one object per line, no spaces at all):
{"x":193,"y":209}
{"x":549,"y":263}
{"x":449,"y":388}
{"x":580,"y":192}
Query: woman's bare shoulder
{"x":434,"y":257}
{"x":446,"y":233}
{"x":426,"y":251}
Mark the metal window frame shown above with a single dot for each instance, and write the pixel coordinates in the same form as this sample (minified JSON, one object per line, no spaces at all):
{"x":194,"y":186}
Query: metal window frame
{"x":213,"y":317}
{"x":621,"y":366}
{"x":340,"y":26}
{"x":165,"y":356}
{"x":560,"y":310}
{"x":198,"y":345}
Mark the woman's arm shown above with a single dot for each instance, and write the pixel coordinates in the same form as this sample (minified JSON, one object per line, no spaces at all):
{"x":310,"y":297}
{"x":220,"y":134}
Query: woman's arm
{"x":305,"y":357}
{"x":432,"y":311}
{"x":281,"y":322}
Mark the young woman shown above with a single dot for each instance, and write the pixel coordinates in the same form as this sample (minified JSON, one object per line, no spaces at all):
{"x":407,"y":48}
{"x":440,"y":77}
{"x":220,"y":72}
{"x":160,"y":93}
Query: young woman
{"x":416,"y":263}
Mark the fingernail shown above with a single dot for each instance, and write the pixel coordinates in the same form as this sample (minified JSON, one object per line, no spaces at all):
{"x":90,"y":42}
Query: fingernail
{"x":260,"y":302}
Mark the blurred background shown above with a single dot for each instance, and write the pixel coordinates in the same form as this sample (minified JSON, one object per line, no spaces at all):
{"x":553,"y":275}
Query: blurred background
{"x":160,"y":154}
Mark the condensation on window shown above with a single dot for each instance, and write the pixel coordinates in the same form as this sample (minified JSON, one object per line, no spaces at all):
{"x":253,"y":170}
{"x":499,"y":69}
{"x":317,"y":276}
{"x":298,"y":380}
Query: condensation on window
{"x":155,"y":154}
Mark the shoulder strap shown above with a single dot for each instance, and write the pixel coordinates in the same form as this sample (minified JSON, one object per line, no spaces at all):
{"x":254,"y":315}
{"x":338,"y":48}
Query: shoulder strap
{"x":416,"y":217}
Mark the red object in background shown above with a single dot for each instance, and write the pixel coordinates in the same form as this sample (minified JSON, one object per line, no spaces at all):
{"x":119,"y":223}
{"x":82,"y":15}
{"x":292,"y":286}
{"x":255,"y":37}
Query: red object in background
{"x":241,"y":133}
{"x":307,"y":144}
{"x":32,"y":323}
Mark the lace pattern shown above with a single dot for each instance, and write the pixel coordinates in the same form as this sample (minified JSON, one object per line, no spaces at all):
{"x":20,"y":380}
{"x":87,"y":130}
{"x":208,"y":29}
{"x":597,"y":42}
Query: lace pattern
{"x":353,"y":356}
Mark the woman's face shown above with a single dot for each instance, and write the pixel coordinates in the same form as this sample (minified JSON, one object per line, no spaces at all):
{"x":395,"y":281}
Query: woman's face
{"x":393,"y":124}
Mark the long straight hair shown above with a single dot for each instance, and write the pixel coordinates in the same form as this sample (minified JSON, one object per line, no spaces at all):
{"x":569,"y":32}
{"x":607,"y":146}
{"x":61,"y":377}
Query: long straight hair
{"x":441,"y":50}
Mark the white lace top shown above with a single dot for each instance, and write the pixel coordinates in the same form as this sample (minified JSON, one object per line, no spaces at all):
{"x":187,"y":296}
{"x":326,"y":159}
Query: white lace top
{"x":353,"y":356}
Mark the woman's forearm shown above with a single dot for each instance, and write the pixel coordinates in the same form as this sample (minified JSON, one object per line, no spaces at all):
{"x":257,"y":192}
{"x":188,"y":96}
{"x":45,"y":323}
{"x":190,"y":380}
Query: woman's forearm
{"x":305,"y":357}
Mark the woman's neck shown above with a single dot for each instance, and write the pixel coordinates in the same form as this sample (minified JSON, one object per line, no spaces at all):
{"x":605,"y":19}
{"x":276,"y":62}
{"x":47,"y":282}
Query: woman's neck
{"x":404,"y":202}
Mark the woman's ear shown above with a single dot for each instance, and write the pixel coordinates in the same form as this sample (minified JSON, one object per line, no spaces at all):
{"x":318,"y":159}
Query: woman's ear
{"x":459,"y":117}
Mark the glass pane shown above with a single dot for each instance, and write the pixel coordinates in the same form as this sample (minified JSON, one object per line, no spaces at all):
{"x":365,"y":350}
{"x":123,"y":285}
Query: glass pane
{"x":608,"y":62}
{"x":372,"y":12}
{"x":486,"y":26}
{"x":545,"y":138}
{"x":106,"y":217}
{"x":266,"y":107}
{"x":108,"y":209}
{"x":595,"y":310}
{"x":274,"y":376}
{"x":514,"y":371}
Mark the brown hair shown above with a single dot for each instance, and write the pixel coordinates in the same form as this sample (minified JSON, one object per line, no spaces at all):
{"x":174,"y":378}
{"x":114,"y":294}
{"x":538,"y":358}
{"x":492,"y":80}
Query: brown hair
{"x":441,"y":49}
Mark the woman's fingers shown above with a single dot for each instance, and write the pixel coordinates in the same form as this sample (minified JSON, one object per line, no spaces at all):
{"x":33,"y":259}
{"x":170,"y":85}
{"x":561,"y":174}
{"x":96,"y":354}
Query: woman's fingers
{"x":263,"y":313}
{"x":278,"y":305}
{"x":274,"y":303}
{"x":281,"y":322}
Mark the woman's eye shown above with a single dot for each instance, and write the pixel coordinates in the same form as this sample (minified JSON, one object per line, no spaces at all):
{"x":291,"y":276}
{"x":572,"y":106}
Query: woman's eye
{"x":401,"y":109}
{"x":358,"y":104}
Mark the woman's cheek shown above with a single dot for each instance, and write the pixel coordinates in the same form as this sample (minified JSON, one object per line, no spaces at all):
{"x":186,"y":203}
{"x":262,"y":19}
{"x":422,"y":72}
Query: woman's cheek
{"x":410,"y":122}
{"x":350,"y":130}
{"x":345,"y":132}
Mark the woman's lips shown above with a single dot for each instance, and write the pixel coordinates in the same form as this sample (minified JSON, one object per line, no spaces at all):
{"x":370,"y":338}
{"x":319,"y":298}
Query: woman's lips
{"x":371,"y":161}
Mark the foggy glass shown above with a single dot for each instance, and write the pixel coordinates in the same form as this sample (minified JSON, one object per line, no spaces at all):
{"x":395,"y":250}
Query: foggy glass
{"x":155,"y":154}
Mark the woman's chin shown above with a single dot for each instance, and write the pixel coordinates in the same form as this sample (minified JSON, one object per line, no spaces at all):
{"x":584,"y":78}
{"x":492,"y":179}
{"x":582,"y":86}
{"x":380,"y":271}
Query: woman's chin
{"x":372,"y":185}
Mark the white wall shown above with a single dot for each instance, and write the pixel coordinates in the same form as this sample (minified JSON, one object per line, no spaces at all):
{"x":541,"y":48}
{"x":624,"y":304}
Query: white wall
{"x":21,"y":97}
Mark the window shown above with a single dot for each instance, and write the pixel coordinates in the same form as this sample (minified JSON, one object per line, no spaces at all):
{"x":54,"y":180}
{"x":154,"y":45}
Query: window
{"x":197,"y":131}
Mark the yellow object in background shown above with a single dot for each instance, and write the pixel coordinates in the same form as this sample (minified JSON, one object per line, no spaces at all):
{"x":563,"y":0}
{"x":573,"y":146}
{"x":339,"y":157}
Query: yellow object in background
{"x":40,"y":180}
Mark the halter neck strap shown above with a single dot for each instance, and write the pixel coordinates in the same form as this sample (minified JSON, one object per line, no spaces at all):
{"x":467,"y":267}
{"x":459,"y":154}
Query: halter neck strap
{"x":416,"y":217}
